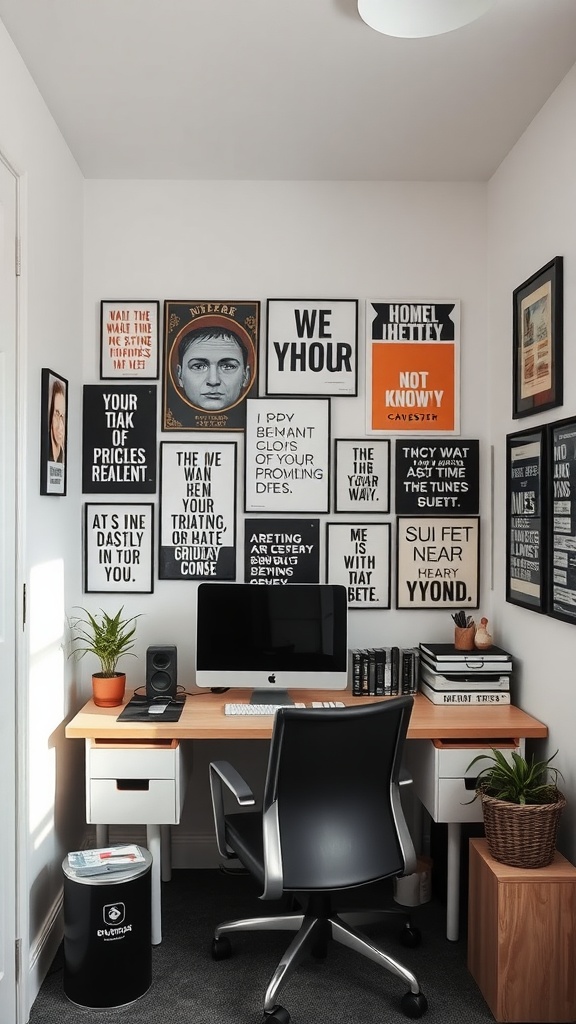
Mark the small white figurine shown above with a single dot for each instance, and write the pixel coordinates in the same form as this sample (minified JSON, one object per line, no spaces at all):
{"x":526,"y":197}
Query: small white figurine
{"x":482,"y":638}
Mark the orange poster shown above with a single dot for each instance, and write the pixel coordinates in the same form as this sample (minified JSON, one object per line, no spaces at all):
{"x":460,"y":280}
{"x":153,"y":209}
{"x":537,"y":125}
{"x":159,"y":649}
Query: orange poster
{"x":412,"y":371}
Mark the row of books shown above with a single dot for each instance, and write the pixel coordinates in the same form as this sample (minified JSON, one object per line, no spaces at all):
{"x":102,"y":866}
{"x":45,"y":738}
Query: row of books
{"x":384,"y":671}
{"x":470,"y":678}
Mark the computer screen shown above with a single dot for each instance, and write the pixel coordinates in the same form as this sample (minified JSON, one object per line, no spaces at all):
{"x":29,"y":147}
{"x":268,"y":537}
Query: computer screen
{"x":272,"y":638}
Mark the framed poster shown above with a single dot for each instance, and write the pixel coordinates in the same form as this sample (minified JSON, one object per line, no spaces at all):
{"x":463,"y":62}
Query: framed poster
{"x":287,"y":465}
{"x":562,"y":520}
{"x":312,"y":347}
{"x":279,"y":551}
{"x":210,"y":364}
{"x":358,"y":556}
{"x":197,"y":511}
{"x":413,"y":366}
{"x":526,"y":518}
{"x":119,"y":438}
{"x":129,"y":338}
{"x":537,"y":317}
{"x":435,"y":476}
{"x":362,"y":475}
{"x":438,"y":562}
{"x":118,"y":545}
{"x":54,"y":433}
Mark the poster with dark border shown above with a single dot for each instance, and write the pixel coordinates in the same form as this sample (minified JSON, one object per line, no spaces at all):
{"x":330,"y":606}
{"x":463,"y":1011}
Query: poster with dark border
{"x":361,"y":475}
{"x":438,"y":562}
{"x":437,"y":476}
{"x":312,"y":347}
{"x":358,"y":556}
{"x":129,"y":338}
{"x":118,"y":548}
{"x":119,"y":439}
{"x":287,"y":464}
{"x":526,"y":518}
{"x":197,"y":510}
{"x":210,"y":363}
{"x":562,"y":520}
{"x":53,"y":433}
{"x":279,"y":551}
{"x":538,"y":343}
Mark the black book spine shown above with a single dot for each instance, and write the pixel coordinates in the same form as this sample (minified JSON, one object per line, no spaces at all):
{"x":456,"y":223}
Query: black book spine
{"x":407,"y":669}
{"x":356,"y":673}
{"x":365,"y":674}
{"x":395,"y":673}
{"x":380,"y":667}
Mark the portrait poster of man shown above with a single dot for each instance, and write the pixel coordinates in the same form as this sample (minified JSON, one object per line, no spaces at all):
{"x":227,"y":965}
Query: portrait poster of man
{"x":210,"y":364}
{"x":53,"y":433}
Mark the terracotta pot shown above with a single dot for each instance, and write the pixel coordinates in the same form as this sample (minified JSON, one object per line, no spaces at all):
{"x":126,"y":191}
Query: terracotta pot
{"x":108,"y":691}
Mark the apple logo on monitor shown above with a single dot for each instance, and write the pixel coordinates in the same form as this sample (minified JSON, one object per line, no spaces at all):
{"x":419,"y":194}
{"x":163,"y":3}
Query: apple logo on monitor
{"x":272,"y":678}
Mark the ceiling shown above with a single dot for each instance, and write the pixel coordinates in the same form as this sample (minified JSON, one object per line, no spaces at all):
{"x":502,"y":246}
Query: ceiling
{"x":287,"y":89}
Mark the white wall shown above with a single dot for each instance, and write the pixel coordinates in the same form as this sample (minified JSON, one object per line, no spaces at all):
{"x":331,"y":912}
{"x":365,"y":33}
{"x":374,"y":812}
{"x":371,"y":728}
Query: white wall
{"x":51,"y":329}
{"x":532,"y":218}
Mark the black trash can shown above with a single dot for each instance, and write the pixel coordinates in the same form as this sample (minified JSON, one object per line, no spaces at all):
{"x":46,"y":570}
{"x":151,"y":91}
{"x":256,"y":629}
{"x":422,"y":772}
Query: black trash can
{"x":107,"y":935}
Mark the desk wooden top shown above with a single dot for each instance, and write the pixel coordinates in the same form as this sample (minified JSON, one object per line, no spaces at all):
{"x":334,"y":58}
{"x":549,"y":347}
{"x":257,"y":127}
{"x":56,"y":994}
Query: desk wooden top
{"x":203,"y":718}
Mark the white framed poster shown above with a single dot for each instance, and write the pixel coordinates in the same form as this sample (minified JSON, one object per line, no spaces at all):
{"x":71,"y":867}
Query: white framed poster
{"x":287,"y":465}
{"x":358,"y":556}
{"x":438,"y":562}
{"x":312,"y":347}
{"x":197,"y":511}
{"x":118,"y":545}
{"x":362,"y":475}
{"x":129,"y":338}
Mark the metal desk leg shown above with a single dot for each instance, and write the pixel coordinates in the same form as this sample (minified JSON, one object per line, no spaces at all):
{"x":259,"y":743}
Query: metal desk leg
{"x":101,"y":835}
{"x":166,"y":853}
{"x":154,"y":844}
{"x":453,"y":881}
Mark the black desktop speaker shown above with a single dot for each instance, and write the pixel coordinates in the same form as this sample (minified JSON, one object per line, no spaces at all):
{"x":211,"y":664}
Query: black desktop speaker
{"x":161,"y":671}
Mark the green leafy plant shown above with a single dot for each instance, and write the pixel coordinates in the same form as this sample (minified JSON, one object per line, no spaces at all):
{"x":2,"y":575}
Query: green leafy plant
{"x":109,"y":637}
{"x":518,"y":781}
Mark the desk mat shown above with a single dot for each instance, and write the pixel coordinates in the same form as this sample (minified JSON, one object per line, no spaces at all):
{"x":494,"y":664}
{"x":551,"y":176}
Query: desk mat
{"x":136,"y":710}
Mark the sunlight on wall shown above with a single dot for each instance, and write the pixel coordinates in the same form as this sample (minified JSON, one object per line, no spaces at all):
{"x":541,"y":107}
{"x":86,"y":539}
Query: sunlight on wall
{"x":46,"y":707}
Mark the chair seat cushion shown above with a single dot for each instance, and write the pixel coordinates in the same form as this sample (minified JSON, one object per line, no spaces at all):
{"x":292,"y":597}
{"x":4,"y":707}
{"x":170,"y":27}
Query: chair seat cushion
{"x":244,"y":836}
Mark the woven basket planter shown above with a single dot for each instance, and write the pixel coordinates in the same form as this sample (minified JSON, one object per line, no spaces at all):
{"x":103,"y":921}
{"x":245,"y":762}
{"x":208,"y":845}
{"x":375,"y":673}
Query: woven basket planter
{"x":522,"y":835}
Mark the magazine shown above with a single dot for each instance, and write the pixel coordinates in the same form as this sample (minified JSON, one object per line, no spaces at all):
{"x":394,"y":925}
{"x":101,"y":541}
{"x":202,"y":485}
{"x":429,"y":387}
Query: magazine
{"x":105,"y":860}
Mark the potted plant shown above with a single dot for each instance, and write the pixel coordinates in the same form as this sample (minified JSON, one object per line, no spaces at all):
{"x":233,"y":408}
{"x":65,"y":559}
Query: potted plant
{"x":109,"y":637}
{"x":521,"y":805}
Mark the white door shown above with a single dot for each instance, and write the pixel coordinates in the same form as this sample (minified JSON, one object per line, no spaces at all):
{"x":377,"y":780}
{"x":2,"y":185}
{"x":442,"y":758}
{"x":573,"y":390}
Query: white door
{"x":9,"y":600}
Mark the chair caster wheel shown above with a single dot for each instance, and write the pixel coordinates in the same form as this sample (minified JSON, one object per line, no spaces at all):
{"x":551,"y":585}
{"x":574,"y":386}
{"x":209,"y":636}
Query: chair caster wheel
{"x":414,"y":1004}
{"x":410,"y":937}
{"x":277,"y":1015}
{"x":221,"y":948}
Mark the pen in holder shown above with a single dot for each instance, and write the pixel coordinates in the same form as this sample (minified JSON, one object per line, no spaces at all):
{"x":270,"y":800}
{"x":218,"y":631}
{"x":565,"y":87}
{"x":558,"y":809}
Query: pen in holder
{"x":464,"y":631}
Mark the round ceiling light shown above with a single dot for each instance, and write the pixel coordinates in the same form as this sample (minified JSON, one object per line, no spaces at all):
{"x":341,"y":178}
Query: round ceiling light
{"x":411,"y":19}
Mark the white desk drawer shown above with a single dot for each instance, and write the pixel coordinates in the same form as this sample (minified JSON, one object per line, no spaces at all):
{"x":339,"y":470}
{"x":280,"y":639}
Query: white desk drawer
{"x":113,"y":762}
{"x":452,"y":803}
{"x":118,"y":802}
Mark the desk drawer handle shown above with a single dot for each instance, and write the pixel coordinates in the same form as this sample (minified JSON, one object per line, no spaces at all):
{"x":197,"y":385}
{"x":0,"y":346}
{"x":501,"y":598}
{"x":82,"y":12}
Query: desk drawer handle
{"x":142,"y":785}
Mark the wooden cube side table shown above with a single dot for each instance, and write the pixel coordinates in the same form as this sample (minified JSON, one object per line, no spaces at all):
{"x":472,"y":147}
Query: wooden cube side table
{"x":522,"y":937}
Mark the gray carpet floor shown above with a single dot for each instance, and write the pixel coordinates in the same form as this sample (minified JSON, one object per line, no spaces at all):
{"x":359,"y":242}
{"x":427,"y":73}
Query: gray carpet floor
{"x":188,"y":987}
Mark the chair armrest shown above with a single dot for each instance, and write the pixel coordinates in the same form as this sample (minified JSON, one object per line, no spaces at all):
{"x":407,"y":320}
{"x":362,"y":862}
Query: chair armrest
{"x":223,"y":774}
{"x":405,"y":779}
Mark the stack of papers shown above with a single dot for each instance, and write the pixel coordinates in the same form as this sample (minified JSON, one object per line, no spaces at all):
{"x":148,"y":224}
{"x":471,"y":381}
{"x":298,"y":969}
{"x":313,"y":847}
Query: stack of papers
{"x":105,"y":860}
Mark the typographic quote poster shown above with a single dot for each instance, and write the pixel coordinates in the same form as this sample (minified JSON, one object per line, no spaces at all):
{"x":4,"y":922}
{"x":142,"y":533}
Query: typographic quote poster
{"x":312,"y":347}
{"x":119,"y":438}
{"x":362,"y":474}
{"x":197,"y":511}
{"x":118,"y":544}
{"x":358,"y":556}
{"x":280,"y":551}
{"x":437,"y":562}
{"x":562,"y":602}
{"x":287,"y":455}
{"x":435,"y":476}
{"x":525,"y":539}
{"x":412,"y":366}
{"x":129,"y":339}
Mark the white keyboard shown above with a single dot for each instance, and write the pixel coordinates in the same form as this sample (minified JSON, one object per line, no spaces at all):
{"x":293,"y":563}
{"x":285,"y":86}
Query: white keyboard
{"x":269,"y":709}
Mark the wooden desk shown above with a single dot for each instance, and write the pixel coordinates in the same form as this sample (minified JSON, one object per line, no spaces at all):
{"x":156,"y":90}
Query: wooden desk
{"x":203,"y":718}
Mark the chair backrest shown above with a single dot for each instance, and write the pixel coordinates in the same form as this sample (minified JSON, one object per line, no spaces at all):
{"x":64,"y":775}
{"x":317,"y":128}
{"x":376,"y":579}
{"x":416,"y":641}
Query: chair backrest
{"x":331,"y":807}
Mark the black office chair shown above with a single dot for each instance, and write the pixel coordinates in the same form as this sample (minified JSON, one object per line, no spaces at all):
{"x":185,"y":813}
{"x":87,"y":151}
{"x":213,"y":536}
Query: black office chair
{"x":331,"y":821}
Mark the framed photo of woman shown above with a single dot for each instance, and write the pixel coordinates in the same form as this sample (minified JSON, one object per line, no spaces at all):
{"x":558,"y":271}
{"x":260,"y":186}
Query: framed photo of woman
{"x":53,"y":433}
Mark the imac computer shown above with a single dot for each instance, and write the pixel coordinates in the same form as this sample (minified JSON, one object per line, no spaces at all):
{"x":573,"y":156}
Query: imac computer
{"x":270,"y":639}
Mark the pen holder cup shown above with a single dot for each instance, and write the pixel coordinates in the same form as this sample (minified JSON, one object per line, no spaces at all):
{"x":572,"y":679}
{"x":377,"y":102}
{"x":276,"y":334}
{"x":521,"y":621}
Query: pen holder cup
{"x":464,"y":637}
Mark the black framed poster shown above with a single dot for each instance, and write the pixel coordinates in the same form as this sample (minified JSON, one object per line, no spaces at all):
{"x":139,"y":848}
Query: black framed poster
{"x":312,"y":347}
{"x":287,"y":465}
{"x":435,"y":476}
{"x":562,"y":521}
{"x":358,"y":556}
{"x":119,"y":439}
{"x":118,"y":545}
{"x":526,"y":518}
{"x":438,"y":562}
{"x":538,"y":347}
{"x":279,"y":551}
{"x":54,"y":433}
{"x":197,"y":510}
{"x":362,"y":475}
